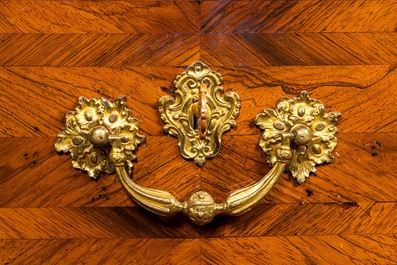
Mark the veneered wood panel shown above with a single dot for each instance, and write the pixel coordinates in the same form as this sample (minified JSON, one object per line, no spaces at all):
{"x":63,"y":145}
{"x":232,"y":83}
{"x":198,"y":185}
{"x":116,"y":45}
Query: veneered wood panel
{"x":115,"y":50}
{"x":350,"y":249}
{"x":33,"y":175}
{"x":91,"y":223}
{"x":298,"y":16}
{"x":57,"y":90}
{"x":293,"y":219}
{"x":99,"y":17}
{"x":100,"y":251}
{"x":303,"y":219}
{"x":329,"y":48}
{"x":365,"y":95}
{"x":341,"y":52}
{"x":362,"y":171}
{"x":99,"y":50}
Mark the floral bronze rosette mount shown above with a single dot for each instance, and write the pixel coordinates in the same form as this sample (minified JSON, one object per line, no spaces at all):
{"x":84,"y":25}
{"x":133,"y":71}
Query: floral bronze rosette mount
{"x":90,"y":130}
{"x":310,"y":128}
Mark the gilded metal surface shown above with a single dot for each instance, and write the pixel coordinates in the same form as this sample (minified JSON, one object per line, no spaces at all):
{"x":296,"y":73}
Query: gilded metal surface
{"x":101,"y":137}
{"x":199,"y":114}
{"x":312,"y":129}
{"x":91,"y":128}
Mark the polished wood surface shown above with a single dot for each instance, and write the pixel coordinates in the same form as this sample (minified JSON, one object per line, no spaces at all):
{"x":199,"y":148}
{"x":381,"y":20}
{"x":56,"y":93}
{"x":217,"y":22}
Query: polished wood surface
{"x":342,"y":52}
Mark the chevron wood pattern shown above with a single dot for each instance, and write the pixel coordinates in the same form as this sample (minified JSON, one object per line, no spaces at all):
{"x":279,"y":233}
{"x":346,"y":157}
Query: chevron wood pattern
{"x":342,"y":52}
{"x":330,"y":48}
{"x":280,"y":250}
{"x":44,"y":179}
{"x":100,"y":251}
{"x":344,"y":89}
{"x":61,"y":17}
{"x":133,"y":222}
{"x":298,"y":16}
{"x":110,"y":50}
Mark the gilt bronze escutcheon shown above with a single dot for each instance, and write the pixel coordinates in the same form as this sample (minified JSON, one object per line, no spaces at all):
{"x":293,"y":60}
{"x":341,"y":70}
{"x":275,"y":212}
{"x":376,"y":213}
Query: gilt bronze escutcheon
{"x":199,"y":113}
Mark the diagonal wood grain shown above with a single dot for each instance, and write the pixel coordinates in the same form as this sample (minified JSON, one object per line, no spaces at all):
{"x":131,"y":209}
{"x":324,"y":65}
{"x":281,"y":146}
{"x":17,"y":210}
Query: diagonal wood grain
{"x":98,"y":17}
{"x":366,"y":105}
{"x":56,"y":91}
{"x":134,"y":222}
{"x":304,"y":219}
{"x":100,"y":251}
{"x":91,"y":222}
{"x":298,"y":16}
{"x":34,"y":175}
{"x":361,"y":172}
{"x":283,"y":49}
{"x":35,"y":100}
{"x":91,"y":49}
{"x":349,"y":249}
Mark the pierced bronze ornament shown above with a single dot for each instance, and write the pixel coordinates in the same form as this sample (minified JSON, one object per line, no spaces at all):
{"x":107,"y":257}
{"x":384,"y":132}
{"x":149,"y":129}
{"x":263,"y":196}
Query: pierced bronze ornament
{"x":199,"y":114}
{"x":304,"y":120}
{"x":102,"y":137}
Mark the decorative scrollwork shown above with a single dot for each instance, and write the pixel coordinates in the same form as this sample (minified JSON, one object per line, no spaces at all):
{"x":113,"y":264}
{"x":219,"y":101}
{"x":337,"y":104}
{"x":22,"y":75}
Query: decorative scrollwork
{"x":312,"y":129}
{"x":199,"y":114}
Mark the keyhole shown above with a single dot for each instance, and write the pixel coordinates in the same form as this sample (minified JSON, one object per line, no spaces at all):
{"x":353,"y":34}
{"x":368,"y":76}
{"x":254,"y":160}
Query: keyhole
{"x":195,"y":116}
{"x":195,"y":122}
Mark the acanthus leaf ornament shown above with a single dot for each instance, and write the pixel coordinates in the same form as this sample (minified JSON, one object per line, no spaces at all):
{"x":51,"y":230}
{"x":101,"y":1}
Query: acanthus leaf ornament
{"x":199,"y":114}
{"x":91,"y":127}
{"x":312,"y":129}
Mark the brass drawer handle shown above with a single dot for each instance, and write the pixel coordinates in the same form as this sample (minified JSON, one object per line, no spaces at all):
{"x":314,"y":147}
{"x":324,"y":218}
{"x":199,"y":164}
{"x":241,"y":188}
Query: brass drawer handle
{"x":102,"y":137}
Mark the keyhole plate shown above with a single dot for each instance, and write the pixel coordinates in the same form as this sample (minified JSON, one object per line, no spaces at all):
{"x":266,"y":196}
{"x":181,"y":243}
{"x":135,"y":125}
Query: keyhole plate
{"x":178,"y":114}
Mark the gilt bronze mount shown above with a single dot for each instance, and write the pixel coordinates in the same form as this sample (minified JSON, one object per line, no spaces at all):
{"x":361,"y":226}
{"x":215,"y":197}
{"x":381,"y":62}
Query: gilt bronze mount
{"x":102,"y":136}
{"x":93,"y":128}
{"x":199,"y":114}
{"x":311,"y":129}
